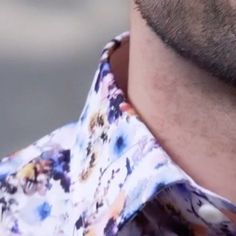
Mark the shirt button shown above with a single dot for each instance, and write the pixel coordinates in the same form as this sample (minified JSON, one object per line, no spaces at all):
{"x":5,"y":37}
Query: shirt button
{"x":210,"y":214}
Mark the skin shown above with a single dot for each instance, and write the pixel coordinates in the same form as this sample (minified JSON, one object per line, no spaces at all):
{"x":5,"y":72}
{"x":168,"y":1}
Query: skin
{"x":181,"y":80}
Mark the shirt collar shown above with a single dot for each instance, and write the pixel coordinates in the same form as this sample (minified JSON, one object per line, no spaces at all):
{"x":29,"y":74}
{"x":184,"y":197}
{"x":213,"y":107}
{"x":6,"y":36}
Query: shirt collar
{"x":124,"y":167}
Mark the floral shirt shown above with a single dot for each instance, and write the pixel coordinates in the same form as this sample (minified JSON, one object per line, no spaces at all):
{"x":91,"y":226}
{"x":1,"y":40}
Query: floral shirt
{"x":105,"y":174}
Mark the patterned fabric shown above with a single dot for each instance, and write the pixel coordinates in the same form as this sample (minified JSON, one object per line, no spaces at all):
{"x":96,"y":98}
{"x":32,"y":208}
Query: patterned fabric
{"x":105,"y":175}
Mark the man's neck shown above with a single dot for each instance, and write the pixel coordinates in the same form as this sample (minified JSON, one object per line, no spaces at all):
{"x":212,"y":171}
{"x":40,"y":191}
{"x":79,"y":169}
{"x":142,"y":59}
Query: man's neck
{"x":191,"y":113}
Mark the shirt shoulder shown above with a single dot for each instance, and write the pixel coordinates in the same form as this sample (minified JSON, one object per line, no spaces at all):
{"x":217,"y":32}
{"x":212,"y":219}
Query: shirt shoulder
{"x":60,"y":139}
{"x":35,"y":180}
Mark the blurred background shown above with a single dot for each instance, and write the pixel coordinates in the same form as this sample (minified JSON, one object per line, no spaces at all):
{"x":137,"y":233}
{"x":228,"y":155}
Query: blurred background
{"x":49,"y":51}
